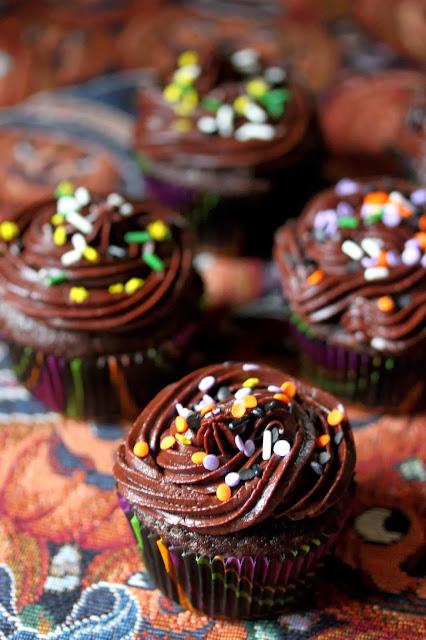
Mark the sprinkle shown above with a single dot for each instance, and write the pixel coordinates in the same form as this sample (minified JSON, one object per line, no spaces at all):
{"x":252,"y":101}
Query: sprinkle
{"x":153,"y":261}
{"x":376,"y":273}
{"x":326,"y":220}
{"x":186,"y":75}
{"x":251,"y":382}
{"x":187,"y":58}
{"x":335,"y":417}
{"x":376,"y":197}
{"x":248,"y":366}
{"x":186,"y":106}
{"x":239,"y":443}
{"x":207,"y":124}
{"x":397,"y":198}
{"x":232,"y":479}
{"x":421,"y":239}
{"x":64,"y":188}
{"x":323,"y":440}
{"x":257,"y":87}
{"x":211,"y":104}
{"x":167,"y":443}
{"x":115,"y":289}
{"x":411,"y":255}
{"x":211,"y":462}
{"x":324,"y":457}
{"x":225,"y":120}
{"x":385,"y":304}
{"x":249,"y":448}
{"x":56,"y":278}
{"x":78,"y":294}
{"x":255,"y":131}
{"x":126,"y":209}
{"x":141,"y":449}
{"x":245,"y":60}
{"x":67,"y":204}
{"x":116,"y":252}
{"x":289,"y":388}
{"x":82,"y":196}
{"x":242,"y":393}
{"x":316,"y":467}
{"x":371,"y":246}
{"x":347,"y":223}
{"x":378,"y":343}
{"x":198,"y":457}
{"x":181,"y":424}
{"x":133,"y":285}
{"x":274,"y":388}
{"x":57,"y":218}
{"x":223,"y":492}
{"x":254,"y":113}
{"x":70,"y":257}
{"x":183,"y":125}
{"x":206,"y":383}
{"x":172,"y":93}
{"x":114,"y":200}
{"x":391,"y":215}
{"x":91,"y":254}
{"x":316,"y":277}
{"x":158,"y":230}
{"x":381,"y":260}
{"x":137,"y":237}
{"x":275,"y":75}
{"x":223,"y":393}
{"x":78,"y":242}
{"x":352,"y":250}
{"x":250,"y":401}
{"x":338,"y":437}
{"x":60,"y":236}
{"x":282,"y":397}
{"x":246,"y":474}
{"x":238,"y":409}
{"x":207,"y":409}
{"x":266,"y":444}
{"x":346,"y":187}
{"x":8,"y":230}
{"x":282,"y":448}
{"x":180,"y":438}
{"x":182,"y":411}
{"x":418,"y":197}
{"x":80,"y":223}
{"x":240,"y":104}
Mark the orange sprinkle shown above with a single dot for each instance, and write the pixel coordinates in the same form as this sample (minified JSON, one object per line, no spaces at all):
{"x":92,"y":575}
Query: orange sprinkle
{"x":289,"y":388}
{"x":223,"y":492}
{"x":141,"y":449}
{"x":282,"y":397}
{"x":404,"y":212}
{"x":207,"y":409}
{"x":238,"y":409}
{"x":335,"y":417}
{"x":181,"y":424}
{"x":421,"y":239}
{"x":323,"y":440}
{"x":315,"y":277}
{"x":167,"y":443}
{"x":422,"y":223}
{"x":382,"y":259}
{"x":250,"y":401}
{"x":198,"y":457}
{"x":376,"y":197}
{"x":385,"y":304}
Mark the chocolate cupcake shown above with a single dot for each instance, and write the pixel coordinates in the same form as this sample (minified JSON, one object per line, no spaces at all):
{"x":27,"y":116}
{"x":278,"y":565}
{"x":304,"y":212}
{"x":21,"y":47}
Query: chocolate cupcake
{"x":91,"y":11}
{"x":378,"y":123}
{"x":236,"y":481}
{"x":99,"y":300}
{"x":352,"y":268}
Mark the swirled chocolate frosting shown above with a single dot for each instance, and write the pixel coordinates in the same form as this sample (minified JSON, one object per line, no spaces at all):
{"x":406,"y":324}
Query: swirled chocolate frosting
{"x":353,"y":265}
{"x":234,"y":445}
{"x":96,"y":266}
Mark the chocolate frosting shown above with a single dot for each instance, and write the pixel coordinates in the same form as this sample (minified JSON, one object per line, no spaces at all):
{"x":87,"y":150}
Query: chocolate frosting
{"x":375,"y":295}
{"x":168,"y":485}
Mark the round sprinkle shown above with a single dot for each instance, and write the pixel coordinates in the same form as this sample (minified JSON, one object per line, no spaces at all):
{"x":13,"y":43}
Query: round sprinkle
{"x":60,"y":236}
{"x":133,"y":285}
{"x":211,"y":462}
{"x":335,"y":417}
{"x":251,"y":382}
{"x":238,"y":410}
{"x":180,"y":438}
{"x":8,"y":230}
{"x":315,"y":277}
{"x":116,"y":289}
{"x":323,"y":440}
{"x":126,"y":209}
{"x":289,"y":388}
{"x":282,"y":397}
{"x":198,"y":457}
{"x":187,"y":58}
{"x":232,"y":479}
{"x":223,"y":492}
{"x":206,"y":383}
{"x":181,"y":424}
{"x":141,"y":449}
{"x":385,"y":304}
{"x":282,"y":448}
{"x":249,"y":448}
{"x":267,"y":444}
{"x":158,"y":230}
{"x":78,"y":294}
{"x":167,"y":443}
{"x":250,"y":401}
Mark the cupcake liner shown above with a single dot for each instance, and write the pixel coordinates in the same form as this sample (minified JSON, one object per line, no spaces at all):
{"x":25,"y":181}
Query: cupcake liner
{"x":102,"y":387}
{"x":374,"y":379}
{"x":229,"y":586}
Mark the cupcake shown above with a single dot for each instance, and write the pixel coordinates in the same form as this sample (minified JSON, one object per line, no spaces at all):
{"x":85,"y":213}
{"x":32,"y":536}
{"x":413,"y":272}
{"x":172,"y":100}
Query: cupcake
{"x":99,"y":301}
{"x":90,"y":11}
{"x":352,"y":268}
{"x":237,"y":481}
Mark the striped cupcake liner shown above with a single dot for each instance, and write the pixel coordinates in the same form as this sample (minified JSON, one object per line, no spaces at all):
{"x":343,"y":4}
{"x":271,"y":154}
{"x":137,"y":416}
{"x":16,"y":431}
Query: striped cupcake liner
{"x":232,"y":587}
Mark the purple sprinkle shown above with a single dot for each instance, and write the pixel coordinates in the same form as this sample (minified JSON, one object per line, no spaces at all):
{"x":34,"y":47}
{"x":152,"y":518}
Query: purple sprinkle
{"x":412,"y":242}
{"x":423,"y":261}
{"x":344,"y":209}
{"x":250,"y":367}
{"x":211,"y":462}
{"x":393,"y":258}
{"x":274,"y":389}
{"x":249,"y":448}
{"x":239,"y":443}
{"x":326,"y":221}
{"x":418,"y":197}
{"x":206,"y":383}
{"x":232,"y":479}
{"x":391,"y":216}
{"x":346,"y":187}
{"x":282,"y":448}
{"x":411,"y":255}
{"x":368,"y":262}
{"x":243,"y":392}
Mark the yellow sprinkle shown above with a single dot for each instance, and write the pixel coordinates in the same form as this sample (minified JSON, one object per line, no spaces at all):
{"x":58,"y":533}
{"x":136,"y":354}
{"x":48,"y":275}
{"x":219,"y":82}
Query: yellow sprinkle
{"x":187,"y":57}
{"x":184,"y":76}
{"x":171,"y":93}
{"x":182,"y":439}
{"x":289,"y":388}
{"x":60,"y":236}
{"x":183,"y":125}
{"x":8,"y":230}
{"x":238,"y":409}
{"x":141,"y":449}
{"x":257,"y":87}
{"x":198,"y":457}
{"x":133,"y":285}
{"x":251,"y":382}
{"x":335,"y":417}
{"x":181,"y":424}
{"x":91,"y":254}
{"x":250,"y":401}
{"x":78,"y":294}
{"x":158,"y":230}
{"x":241,"y":103}
{"x":114,"y":289}
{"x":58,"y":218}
{"x":167,"y":443}
{"x":187,"y":105}
{"x":223,"y":492}
{"x":65,"y":188}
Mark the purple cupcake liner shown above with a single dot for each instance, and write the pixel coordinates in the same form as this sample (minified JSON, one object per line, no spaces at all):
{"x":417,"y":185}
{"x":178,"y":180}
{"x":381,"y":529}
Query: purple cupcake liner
{"x":228,"y":586}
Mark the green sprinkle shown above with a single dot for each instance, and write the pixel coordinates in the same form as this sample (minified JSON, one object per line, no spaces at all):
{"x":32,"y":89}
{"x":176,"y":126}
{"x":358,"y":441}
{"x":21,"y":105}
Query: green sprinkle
{"x":316,"y":542}
{"x":389,"y":364}
{"x":211,"y":104}
{"x":134,"y":521}
{"x":375,"y":377}
{"x":275,"y":101}
{"x":153,"y":261}
{"x":306,"y":548}
{"x":294,"y":552}
{"x":375,"y":217}
{"x":346,"y":222}
{"x":138,"y":237}
{"x":56,"y":279}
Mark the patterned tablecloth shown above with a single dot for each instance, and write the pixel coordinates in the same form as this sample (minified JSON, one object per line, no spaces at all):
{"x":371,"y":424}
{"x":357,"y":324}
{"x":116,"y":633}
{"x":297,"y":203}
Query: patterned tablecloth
{"x":69,"y":568}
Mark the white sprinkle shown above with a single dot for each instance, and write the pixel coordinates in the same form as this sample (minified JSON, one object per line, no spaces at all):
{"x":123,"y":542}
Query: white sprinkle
{"x":250,"y":367}
{"x":126,"y":209}
{"x":117,"y":252}
{"x":371,"y":246}
{"x":70,"y":257}
{"x":207,"y":124}
{"x":82,"y":196}
{"x":188,"y":72}
{"x":183,"y":411}
{"x":207,"y":399}
{"x":246,"y":60}
{"x":267,"y":444}
{"x":324,"y":457}
{"x":316,"y":467}
{"x":206,"y":383}
{"x":115,"y":200}
{"x":242,"y":393}
{"x":282,"y":448}
{"x":80,"y":223}
{"x":254,"y":113}
{"x":252,"y":131}
{"x":274,"y":389}
{"x":397,"y":198}
{"x":225,"y":120}
{"x":378,"y":343}
{"x":6,"y":62}
{"x":376,"y":273}
{"x":275,"y":75}
{"x":352,"y":250}
{"x":67,"y":204}
{"x":79,"y":242}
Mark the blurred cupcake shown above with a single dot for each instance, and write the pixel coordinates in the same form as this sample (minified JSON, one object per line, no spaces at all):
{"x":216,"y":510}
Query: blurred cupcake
{"x":237,"y":480}
{"x":91,"y":11}
{"x":352,"y":268}
{"x":99,"y":300}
